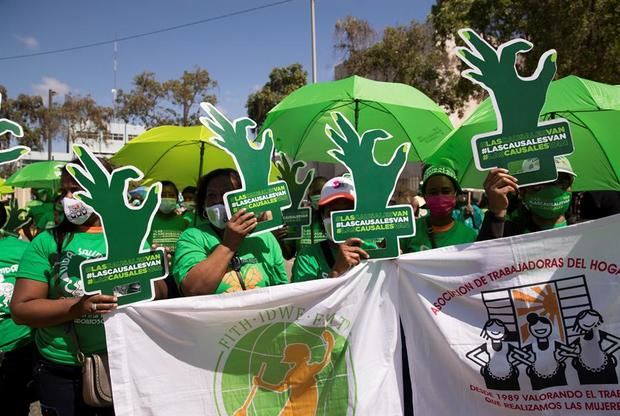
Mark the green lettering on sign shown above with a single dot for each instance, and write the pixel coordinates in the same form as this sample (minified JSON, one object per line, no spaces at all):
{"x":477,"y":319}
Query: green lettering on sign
{"x":521,"y":143}
{"x":296,"y":217}
{"x":129,"y":269}
{"x":253,"y":159}
{"x":372,"y":218}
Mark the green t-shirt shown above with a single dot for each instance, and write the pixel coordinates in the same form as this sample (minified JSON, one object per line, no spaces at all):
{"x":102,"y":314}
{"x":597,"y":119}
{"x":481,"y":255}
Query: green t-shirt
{"x":311,"y":264}
{"x":166,"y":230}
{"x":261,"y":256}
{"x":12,"y":336}
{"x":459,"y":233}
{"x":312,"y":234}
{"x":56,"y":343}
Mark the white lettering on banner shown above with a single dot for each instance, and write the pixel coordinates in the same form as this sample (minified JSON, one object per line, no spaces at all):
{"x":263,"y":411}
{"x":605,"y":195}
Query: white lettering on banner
{"x":518,"y":331}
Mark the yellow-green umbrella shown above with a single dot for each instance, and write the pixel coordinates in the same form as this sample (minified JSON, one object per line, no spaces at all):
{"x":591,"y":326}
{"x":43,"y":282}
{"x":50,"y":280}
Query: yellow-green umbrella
{"x":178,"y":154}
{"x":5,"y":189}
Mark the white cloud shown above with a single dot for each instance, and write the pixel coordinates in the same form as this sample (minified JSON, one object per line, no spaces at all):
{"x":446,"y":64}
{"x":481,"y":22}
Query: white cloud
{"x":49,"y":83}
{"x":30,"y":42}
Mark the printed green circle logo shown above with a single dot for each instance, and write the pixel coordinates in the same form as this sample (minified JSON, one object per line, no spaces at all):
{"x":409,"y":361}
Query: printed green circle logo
{"x":288,"y":369}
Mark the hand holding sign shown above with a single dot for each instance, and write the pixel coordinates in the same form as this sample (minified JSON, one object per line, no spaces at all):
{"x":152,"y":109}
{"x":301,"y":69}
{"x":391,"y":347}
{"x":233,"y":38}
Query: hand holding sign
{"x":297,"y":216}
{"x":372,"y":218}
{"x":521,"y":144}
{"x":253,"y":161}
{"x":129,"y":269}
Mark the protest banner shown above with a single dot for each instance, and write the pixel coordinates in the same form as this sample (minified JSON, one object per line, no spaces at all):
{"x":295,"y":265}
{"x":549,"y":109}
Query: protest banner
{"x":129,"y":269}
{"x":522,"y":325}
{"x":14,"y":153}
{"x":372,"y":219}
{"x":521,"y":143}
{"x":297,"y":217}
{"x":253,"y":159}
{"x":325,"y":348}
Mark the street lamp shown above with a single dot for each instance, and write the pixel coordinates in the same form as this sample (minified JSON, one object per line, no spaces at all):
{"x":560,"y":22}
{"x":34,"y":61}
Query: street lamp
{"x":50,"y":94}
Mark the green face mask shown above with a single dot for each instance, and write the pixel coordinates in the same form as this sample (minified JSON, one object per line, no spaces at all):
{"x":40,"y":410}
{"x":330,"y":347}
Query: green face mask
{"x":549,"y":202}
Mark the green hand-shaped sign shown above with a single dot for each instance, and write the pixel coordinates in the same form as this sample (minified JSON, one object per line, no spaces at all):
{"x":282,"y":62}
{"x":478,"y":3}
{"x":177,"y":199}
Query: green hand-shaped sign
{"x":372,"y":218}
{"x":521,"y":144}
{"x":253,"y":160}
{"x":129,"y":269}
{"x":14,"y":153}
{"x":296,"y":217}
{"x":16,"y":218}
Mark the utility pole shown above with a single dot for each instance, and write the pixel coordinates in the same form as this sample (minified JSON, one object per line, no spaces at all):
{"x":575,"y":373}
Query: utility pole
{"x":50,"y":94}
{"x":313,"y":24}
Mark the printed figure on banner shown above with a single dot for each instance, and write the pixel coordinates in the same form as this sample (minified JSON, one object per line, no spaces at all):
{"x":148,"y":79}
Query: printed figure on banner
{"x":540,"y":328}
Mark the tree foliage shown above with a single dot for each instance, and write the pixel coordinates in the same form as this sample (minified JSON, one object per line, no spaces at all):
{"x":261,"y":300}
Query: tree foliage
{"x":406,"y":54}
{"x":152,"y":103}
{"x":282,"y":82}
{"x":585,"y":33}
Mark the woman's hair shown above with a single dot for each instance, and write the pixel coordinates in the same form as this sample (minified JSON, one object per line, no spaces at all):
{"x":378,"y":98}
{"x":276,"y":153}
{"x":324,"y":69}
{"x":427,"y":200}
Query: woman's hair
{"x":3,"y":215}
{"x":203,"y":184}
{"x":65,"y":230}
{"x":582,"y":315}
{"x":491,"y":322}
{"x":534,"y":318}
{"x":170,"y":183}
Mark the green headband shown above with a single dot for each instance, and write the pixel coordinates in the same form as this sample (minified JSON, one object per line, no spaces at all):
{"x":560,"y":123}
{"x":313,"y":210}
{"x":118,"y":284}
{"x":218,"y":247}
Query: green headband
{"x":440,"y":170}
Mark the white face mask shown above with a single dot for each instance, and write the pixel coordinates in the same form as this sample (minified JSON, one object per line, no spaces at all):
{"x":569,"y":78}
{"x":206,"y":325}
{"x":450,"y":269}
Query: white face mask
{"x":327,"y":224}
{"x":167,"y":205}
{"x":76,"y":212}
{"x":217,"y":215}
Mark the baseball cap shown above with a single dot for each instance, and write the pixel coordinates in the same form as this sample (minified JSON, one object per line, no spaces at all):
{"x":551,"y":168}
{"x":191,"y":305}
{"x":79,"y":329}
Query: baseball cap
{"x":336,"y":188}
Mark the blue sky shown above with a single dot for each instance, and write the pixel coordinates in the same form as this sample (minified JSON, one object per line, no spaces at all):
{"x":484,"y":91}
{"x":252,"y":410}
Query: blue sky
{"x":239,"y":52}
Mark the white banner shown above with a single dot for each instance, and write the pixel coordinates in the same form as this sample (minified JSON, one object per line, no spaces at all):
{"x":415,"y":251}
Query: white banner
{"x":327,"y":347}
{"x":526,"y":325}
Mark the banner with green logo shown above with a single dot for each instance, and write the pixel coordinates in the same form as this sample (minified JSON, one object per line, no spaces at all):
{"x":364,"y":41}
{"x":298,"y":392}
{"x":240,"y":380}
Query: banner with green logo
{"x":323,"y":348}
{"x":522,"y":144}
{"x":258,"y":194}
{"x":297,"y":217}
{"x":373,"y":219}
{"x":129,"y":269}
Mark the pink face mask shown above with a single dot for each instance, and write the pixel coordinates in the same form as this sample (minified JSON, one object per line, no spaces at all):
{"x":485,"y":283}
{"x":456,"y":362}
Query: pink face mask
{"x":440,"y":205}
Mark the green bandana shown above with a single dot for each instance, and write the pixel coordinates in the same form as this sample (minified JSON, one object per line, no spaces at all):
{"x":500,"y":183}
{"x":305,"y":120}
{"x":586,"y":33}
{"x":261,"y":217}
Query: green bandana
{"x":440,"y":170}
{"x":549,"y":202}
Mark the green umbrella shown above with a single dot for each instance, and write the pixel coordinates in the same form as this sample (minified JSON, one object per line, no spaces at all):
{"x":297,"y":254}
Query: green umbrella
{"x":37,"y":175}
{"x":593,"y":110}
{"x":5,"y":189}
{"x":298,"y":121}
{"x":177,"y":154}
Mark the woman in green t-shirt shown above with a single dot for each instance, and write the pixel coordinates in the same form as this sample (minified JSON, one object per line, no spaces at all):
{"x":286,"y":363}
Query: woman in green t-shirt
{"x":327,"y":258}
{"x":439,"y":228}
{"x":16,"y":350}
{"x":168,"y":225}
{"x":219,"y":255}
{"x":49,"y":296}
